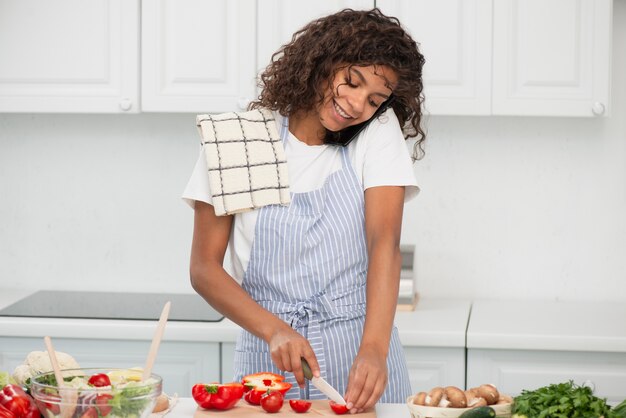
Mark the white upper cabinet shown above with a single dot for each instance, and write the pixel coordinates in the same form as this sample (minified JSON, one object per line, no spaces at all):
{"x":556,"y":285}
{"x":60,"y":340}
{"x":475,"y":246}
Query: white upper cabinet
{"x":545,"y":57}
{"x":198,"y":55}
{"x":455,"y":38}
{"x":551,"y":57}
{"x":69,"y":56}
{"x":483,"y":57}
{"x":280,"y":19}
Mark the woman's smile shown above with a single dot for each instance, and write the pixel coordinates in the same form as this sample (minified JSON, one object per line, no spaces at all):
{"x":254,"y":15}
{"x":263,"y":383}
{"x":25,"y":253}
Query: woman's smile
{"x":342,"y":113}
{"x":356,"y":93}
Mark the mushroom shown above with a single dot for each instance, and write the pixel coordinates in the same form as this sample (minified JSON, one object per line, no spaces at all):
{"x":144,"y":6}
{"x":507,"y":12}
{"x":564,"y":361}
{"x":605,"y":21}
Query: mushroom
{"x":504,"y":399}
{"x":476,"y":402}
{"x":436,"y":396}
{"x":489,"y":393}
{"x":420,"y":398}
{"x":455,"y":397}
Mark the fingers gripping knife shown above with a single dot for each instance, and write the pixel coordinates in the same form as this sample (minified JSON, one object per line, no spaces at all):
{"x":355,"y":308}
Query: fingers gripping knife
{"x":322,"y":384}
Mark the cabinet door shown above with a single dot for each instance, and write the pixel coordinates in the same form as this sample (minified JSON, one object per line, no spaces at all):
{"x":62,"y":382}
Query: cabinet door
{"x":514,"y":370}
{"x":431,"y":367}
{"x":69,"y":56}
{"x":181,"y":364}
{"x":455,"y":38}
{"x":197,"y":55}
{"x":552,"y":57}
{"x":279,"y":19}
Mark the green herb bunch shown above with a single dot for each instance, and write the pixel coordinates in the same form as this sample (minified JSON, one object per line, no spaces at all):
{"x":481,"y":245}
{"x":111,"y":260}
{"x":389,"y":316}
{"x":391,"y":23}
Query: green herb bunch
{"x":563,"y":400}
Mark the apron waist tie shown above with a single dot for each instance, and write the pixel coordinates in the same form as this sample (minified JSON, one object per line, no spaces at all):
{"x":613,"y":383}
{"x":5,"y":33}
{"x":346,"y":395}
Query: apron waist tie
{"x":305,"y":317}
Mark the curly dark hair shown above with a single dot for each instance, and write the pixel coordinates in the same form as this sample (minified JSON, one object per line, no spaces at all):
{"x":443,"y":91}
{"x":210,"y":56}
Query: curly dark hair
{"x":291,"y":82}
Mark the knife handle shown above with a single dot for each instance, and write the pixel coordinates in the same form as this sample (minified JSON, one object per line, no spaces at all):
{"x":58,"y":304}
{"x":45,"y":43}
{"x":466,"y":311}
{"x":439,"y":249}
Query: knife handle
{"x":306,"y":369}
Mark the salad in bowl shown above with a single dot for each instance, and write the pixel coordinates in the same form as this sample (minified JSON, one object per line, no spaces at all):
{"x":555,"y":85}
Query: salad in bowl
{"x":96,"y":393}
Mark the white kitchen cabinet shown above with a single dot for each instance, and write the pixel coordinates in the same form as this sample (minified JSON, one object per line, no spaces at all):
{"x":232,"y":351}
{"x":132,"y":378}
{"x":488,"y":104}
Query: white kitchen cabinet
{"x":551,"y":57}
{"x":197,"y":55}
{"x":69,"y":56}
{"x":521,"y":344}
{"x":514,"y":370}
{"x":546,"y":58}
{"x":455,"y":38}
{"x":280,"y":19}
{"x":435,"y":366}
{"x":227,"y":355}
{"x":181,"y":364}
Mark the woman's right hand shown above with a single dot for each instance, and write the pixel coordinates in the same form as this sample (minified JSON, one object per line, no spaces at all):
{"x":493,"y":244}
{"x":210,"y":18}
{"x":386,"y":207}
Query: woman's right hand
{"x":287,"y":348}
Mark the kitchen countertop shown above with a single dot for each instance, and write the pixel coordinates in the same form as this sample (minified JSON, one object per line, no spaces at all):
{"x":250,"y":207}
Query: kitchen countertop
{"x":434,"y":323}
{"x":186,"y":408}
{"x":547,"y":325}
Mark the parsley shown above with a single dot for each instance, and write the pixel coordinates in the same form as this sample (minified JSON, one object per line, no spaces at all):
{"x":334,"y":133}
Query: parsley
{"x":563,"y":400}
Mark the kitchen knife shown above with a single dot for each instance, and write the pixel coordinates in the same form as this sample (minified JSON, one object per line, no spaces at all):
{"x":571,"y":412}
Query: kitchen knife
{"x":322,"y":384}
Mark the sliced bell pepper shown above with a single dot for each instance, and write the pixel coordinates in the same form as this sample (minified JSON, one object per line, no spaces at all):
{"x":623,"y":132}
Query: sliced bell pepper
{"x":258,"y":384}
{"x":216,"y":395}
{"x":22,"y":405}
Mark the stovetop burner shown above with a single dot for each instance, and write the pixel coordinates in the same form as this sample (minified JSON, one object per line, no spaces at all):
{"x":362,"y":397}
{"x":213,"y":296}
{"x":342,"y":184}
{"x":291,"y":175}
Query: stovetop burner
{"x":112,"y":305}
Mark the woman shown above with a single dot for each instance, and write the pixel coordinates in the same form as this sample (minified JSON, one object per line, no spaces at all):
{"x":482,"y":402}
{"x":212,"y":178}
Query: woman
{"x":319,"y":279}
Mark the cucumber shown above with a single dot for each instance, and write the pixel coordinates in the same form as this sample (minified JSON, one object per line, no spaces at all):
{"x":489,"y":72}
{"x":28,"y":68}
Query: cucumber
{"x":479,"y":412}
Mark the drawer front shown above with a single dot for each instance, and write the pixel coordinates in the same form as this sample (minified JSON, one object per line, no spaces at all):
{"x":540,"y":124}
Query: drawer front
{"x":514,"y":370}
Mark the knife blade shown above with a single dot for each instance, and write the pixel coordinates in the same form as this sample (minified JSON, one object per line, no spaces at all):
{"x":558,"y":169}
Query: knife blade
{"x":322,"y":384}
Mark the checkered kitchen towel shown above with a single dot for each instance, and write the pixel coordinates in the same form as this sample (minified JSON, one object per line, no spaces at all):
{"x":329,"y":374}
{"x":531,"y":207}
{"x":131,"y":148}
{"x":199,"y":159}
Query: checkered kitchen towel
{"x":246,"y":160}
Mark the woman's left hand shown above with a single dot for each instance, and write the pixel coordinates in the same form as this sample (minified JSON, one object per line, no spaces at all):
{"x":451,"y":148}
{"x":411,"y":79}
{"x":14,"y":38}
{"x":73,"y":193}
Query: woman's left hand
{"x":367,"y":380}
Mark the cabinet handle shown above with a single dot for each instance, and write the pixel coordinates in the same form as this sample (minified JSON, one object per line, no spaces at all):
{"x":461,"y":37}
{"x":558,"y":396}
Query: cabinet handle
{"x":598,"y":109}
{"x":243,"y":103}
{"x":126,"y":104}
{"x":589,"y":383}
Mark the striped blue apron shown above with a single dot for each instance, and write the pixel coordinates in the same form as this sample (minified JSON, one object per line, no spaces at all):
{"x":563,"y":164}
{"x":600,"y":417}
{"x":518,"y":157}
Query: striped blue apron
{"x":308,"y":266}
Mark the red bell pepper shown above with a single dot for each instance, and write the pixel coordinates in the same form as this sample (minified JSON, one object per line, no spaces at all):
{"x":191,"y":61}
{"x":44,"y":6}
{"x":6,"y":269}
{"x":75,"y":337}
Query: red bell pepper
{"x":257,"y":385}
{"x":217,"y":396}
{"x":5,"y":413}
{"x":13,"y":398}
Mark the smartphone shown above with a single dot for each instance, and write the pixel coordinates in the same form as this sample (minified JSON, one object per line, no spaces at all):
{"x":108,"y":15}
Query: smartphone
{"x":345,"y":136}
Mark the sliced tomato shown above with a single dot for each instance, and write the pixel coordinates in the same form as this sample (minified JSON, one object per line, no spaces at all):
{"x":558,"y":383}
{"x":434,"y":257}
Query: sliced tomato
{"x":299,"y":405}
{"x":338,"y":408}
{"x":91,"y":412}
{"x":102,"y":403}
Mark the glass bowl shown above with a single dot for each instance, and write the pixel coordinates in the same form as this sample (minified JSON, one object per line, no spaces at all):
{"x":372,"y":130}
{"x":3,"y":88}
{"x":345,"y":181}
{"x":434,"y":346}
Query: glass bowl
{"x":127,"y":396}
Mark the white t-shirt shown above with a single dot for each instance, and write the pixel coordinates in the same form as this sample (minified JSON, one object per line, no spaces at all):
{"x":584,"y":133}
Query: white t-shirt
{"x":379,"y":156}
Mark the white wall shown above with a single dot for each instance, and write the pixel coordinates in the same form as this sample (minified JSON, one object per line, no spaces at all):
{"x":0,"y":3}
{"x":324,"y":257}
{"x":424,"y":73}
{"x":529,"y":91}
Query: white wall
{"x":510,"y":207}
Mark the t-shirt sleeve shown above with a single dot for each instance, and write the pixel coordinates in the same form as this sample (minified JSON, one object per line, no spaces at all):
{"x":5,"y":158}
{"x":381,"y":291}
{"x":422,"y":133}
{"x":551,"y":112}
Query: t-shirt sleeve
{"x":197,"y":188}
{"x":383,"y":156}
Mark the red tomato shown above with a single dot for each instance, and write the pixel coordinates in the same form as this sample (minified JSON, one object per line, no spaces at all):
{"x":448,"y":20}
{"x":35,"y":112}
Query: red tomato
{"x":99,"y":380}
{"x":52,"y":403}
{"x":299,"y":405}
{"x":90,"y":413}
{"x":338,"y":408}
{"x":102,"y":403}
{"x":272,"y":402}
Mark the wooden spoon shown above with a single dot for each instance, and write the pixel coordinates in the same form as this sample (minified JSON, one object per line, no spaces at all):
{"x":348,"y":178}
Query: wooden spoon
{"x":69,"y":396}
{"x":156,"y":341}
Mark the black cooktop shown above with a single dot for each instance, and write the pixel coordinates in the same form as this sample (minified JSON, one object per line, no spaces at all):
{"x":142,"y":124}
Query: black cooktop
{"x":112,"y":305}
